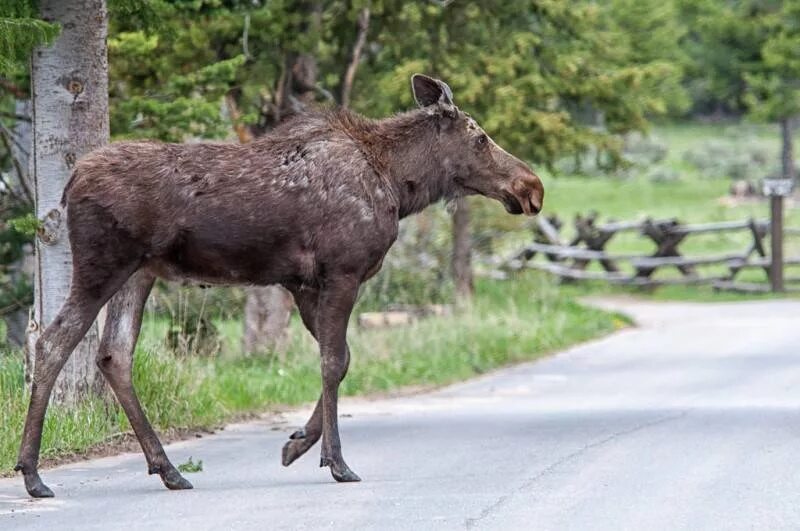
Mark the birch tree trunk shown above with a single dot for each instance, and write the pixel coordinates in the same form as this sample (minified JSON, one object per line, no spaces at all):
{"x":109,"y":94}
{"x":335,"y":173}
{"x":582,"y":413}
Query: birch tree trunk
{"x":462,"y":253}
{"x":69,"y":89}
{"x":267,"y":311}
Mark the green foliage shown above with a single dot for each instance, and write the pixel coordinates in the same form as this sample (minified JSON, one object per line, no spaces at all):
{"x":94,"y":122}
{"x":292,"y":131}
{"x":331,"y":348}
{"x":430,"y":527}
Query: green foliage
{"x":191,"y":467}
{"x":721,"y":45}
{"x":168,"y":81}
{"x":547,"y":79}
{"x":26,"y":225}
{"x":773,"y":88}
{"x":744,"y":56}
{"x":16,"y":290}
{"x":156,"y":99}
{"x":20,"y":31}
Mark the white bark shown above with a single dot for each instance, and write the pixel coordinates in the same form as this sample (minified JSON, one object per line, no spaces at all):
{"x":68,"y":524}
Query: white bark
{"x":69,"y":86}
{"x":462,"y":253}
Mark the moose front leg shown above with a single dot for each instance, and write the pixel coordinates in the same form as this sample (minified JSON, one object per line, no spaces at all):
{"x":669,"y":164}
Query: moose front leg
{"x":335,"y":304}
{"x":302,"y":440}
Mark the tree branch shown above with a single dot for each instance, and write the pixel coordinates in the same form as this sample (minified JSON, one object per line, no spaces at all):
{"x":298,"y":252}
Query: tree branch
{"x":350,"y":74}
{"x":245,"y":33}
{"x":15,"y":116}
{"x":242,"y":131}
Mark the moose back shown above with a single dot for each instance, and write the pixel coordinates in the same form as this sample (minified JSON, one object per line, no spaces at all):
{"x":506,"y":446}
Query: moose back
{"x":313,"y":206}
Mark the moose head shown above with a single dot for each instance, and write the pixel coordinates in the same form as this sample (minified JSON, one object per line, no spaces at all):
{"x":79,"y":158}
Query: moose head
{"x":470,"y":159}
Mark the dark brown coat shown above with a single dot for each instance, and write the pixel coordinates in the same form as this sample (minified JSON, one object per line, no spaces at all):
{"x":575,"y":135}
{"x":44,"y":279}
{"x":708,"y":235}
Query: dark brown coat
{"x":314,"y":206}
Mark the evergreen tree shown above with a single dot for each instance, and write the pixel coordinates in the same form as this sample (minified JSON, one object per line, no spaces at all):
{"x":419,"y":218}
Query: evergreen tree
{"x":773,"y":83}
{"x":20,"y":30}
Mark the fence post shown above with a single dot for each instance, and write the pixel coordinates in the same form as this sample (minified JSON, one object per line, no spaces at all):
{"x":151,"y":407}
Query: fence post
{"x":776,"y":189}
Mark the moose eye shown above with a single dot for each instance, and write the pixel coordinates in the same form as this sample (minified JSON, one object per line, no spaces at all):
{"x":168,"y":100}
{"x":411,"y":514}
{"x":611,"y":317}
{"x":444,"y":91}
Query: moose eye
{"x":482,"y":140}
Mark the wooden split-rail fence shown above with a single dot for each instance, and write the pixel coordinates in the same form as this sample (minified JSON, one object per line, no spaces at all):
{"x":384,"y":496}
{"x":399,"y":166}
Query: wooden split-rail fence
{"x":572,"y":258}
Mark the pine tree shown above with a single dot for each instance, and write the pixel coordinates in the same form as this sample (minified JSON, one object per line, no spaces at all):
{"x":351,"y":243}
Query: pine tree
{"x":20,"y":30}
{"x":774,"y":82}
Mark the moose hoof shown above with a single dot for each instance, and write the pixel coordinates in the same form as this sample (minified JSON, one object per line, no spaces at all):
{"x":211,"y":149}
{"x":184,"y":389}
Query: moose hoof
{"x":289,"y":453}
{"x":340,"y":471}
{"x":174,"y":481}
{"x":36,"y":488}
{"x":295,"y":447}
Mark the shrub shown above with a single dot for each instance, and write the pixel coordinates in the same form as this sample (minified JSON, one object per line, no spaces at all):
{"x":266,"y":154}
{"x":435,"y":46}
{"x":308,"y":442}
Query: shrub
{"x":743,"y":159}
{"x":644,"y":150}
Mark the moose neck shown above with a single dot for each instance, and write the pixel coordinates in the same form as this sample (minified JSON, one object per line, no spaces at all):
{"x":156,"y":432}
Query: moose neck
{"x":415,"y":169}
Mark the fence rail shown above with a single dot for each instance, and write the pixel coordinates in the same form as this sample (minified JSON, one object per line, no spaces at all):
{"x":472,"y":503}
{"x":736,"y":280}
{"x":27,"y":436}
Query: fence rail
{"x":571,"y":258}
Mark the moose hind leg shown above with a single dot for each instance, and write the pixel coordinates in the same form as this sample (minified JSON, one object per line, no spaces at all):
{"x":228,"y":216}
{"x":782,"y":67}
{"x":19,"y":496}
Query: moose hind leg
{"x":53,"y":348}
{"x":115,"y":360}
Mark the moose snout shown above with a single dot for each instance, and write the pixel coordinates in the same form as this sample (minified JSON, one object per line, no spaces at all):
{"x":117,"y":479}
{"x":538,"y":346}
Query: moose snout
{"x":529,"y":191}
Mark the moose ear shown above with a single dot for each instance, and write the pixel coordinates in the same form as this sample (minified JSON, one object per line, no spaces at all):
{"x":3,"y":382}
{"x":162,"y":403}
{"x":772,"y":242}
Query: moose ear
{"x":429,"y":91}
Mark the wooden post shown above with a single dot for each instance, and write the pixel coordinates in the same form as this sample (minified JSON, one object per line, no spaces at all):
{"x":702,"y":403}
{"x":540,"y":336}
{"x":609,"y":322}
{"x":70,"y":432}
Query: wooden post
{"x":776,"y":189}
{"x":776,"y":242}
{"x":462,"y":253}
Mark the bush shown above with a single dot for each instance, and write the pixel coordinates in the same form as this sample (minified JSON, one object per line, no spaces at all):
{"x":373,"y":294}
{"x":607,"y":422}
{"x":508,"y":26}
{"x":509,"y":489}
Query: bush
{"x":663,"y":174}
{"x":644,"y":150}
{"x":743,"y":159}
{"x":191,"y":312}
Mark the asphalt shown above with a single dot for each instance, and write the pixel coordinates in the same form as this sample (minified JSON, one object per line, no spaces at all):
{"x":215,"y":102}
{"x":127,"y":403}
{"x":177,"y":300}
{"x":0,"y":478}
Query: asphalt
{"x":689,"y":421}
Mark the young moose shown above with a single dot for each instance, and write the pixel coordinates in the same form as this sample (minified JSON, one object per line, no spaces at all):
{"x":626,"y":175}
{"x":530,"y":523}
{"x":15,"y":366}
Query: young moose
{"x":313,"y":206}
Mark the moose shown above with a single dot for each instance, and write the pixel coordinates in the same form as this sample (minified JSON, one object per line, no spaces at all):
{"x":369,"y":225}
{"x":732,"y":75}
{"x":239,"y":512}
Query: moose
{"x":313,"y":206}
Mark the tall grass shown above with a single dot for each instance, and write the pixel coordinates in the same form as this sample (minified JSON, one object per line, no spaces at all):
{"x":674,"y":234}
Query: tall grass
{"x":509,"y":322}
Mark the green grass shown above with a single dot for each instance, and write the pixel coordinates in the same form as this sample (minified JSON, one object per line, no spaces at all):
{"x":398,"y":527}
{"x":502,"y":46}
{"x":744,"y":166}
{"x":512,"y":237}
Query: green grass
{"x":191,"y":467}
{"x":509,"y":322}
{"x":696,"y":197}
{"x":691,"y":201}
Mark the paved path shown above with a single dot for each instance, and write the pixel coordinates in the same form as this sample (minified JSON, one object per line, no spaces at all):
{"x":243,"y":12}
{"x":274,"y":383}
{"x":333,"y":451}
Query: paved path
{"x":691,"y":421}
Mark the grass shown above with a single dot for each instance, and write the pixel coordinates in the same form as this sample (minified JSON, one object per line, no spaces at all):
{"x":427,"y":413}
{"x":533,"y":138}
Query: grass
{"x":191,"y":467}
{"x":509,"y":322}
{"x":697,"y":196}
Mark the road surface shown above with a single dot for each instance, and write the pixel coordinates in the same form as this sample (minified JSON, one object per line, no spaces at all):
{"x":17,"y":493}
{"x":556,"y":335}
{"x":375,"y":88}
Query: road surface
{"x":690,"y":421}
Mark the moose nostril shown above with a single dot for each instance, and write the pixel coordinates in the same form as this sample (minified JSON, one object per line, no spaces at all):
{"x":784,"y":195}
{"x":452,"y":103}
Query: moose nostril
{"x":537,"y":197}
{"x":536,"y":206}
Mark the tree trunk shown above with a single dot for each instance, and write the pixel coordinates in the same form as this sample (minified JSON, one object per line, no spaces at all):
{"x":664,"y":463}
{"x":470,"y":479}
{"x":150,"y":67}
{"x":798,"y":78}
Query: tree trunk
{"x":462,"y":252}
{"x":787,"y":150}
{"x":362,"y":25}
{"x":266,"y":319}
{"x":69,"y":87}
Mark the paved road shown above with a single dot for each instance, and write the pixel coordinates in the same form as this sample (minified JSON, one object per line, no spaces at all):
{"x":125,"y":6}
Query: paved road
{"x":691,"y":421}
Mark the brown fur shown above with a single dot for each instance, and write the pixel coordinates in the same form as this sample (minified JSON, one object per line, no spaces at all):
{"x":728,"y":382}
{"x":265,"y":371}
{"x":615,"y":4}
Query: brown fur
{"x":313,"y":206}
